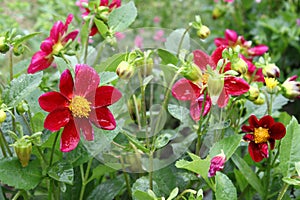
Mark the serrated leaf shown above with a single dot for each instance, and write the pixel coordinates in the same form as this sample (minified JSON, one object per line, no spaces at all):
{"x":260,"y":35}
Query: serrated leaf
{"x":13,"y":174}
{"x":62,"y":171}
{"x":225,"y":189}
{"x":173,"y":41}
{"x":228,"y":145}
{"x":111,"y":63}
{"x":289,"y":148}
{"x":102,"y":28}
{"x":121,"y":18}
{"x":20,"y":88}
{"x":167,"y":57}
{"x":107,"y":77}
{"x":179,"y":112}
{"x":247,"y":172}
{"x":198,"y":165}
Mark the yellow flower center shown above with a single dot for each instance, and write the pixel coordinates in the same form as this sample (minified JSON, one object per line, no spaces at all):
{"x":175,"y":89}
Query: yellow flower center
{"x":80,"y":107}
{"x":261,"y":135}
{"x":205,"y":78}
{"x":57,"y":48}
{"x":271,"y":83}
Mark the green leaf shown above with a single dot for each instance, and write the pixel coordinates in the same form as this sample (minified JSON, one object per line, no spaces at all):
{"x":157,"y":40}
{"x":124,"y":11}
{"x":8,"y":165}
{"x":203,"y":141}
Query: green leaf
{"x":247,"y":172}
{"x":107,"y":77}
{"x":62,"y":171}
{"x":163,"y":139}
{"x":142,"y":184}
{"x":228,"y":145}
{"x":78,"y":156}
{"x":158,"y":118}
{"x":289,"y":148}
{"x":297,"y":167}
{"x":21,"y":87}
{"x":108,"y":190}
{"x":179,"y":112}
{"x":225,"y":189}
{"x":141,"y":195}
{"x":102,"y":28}
{"x":38,"y":122}
{"x":173,"y":194}
{"x":291,"y":181}
{"x":111,"y":63}
{"x":147,"y":80}
{"x":121,"y":18}
{"x":24,"y":38}
{"x":13,"y":174}
{"x":173,"y":41}
{"x":198,"y":165}
{"x":167,"y":57}
{"x":21,"y":67}
{"x":101,"y":170}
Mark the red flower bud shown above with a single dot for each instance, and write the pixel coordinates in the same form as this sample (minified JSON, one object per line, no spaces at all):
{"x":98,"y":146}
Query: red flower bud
{"x":216,"y":164}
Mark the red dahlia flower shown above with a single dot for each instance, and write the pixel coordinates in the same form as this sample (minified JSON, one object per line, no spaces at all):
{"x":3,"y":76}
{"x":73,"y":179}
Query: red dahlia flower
{"x":259,"y":133}
{"x":52,"y":45}
{"x":186,"y":90}
{"x":232,"y":39}
{"x":78,"y":105}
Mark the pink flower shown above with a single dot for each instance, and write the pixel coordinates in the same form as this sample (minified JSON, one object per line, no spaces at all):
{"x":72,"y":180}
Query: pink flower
{"x":156,"y":19}
{"x":232,"y":39}
{"x":52,"y":45}
{"x":79,"y":104}
{"x":216,"y":164}
{"x":186,"y":90}
{"x":298,"y":22}
{"x":138,"y":41}
{"x":120,"y":36}
{"x":159,"y":36}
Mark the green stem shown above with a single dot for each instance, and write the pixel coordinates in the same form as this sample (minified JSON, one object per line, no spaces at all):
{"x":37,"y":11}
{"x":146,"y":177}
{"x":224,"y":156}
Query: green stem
{"x":87,"y":40}
{"x":17,"y":195}
{"x":184,"y":192}
{"x":85,"y":177}
{"x":2,"y":146}
{"x":182,"y":38}
{"x":268,"y":173}
{"x":199,"y":131}
{"x":4,"y":142}
{"x":53,"y":148}
{"x":10,"y":63}
{"x":126,"y":178}
{"x":283,"y":191}
{"x":151,"y":170}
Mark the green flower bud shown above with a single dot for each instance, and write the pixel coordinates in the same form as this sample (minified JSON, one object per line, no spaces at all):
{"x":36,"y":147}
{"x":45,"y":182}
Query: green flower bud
{"x":125,"y":70}
{"x":215,"y":85}
{"x":23,"y":148}
{"x":217,"y":13}
{"x":253,"y":93}
{"x":203,"y":32}
{"x":240,"y":66}
{"x":192,"y":72}
{"x":260,"y":100}
{"x":22,"y":107}
{"x":18,"y":50}
{"x":3,"y":45}
{"x":2,"y":115}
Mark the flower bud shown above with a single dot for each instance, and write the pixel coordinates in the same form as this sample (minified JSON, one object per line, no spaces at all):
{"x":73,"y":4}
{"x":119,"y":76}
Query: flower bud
{"x":271,"y":70}
{"x":22,"y":107}
{"x":217,"y":13}
{"x":192,"y":72}
{"x":134,"y":106}
{"x":23,"y":149}
{"x":271,"y":85}
{"x":240,"y":66}
{"x":203,"y":32}
{"x":3,"y":45}
{"x":2,"y":115}
{"x":125,"y":70}
{"x":18,"y":50}
{"x":260,"y":100}
{"x":145,"y":66}
{"x":291,"y":88}
{"x":216,"y":164}
{"x":215,"y":85}
{"x":253,"y":93}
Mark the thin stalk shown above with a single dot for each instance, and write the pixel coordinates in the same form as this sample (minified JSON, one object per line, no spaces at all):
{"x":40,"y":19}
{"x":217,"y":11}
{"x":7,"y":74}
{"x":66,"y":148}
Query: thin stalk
{"x":4,"y":142}
{"x":151,"y":171}
{"x":53,"y":148}
{"x":283,"y":191}
{"x":17,"y":195}
{"x":182,"y":38}
{"x":199,"y":131}
{"x":2,"y":147}
{"x":184,"y":192}
{"x":126,"y":178}
{"x":85,"y":177}
{"x":10,"y":63}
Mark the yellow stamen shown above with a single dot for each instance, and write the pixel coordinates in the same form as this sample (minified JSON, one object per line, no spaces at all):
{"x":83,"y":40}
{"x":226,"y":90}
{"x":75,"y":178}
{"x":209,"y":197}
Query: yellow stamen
{"x":205,"y":78}
{"x":271,"y":83}
{"x":57,"y":48}
{"x":261,"y":135}
{"x":80,"y":107}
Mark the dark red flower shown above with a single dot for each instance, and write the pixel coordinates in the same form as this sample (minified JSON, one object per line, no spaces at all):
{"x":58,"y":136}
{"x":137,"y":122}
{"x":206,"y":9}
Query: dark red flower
{"x":186,"y":90}
{"x":216,"y":164}
{"x":78,"y":105}
{"x":52,"y":45}
{"x":259,"y":133}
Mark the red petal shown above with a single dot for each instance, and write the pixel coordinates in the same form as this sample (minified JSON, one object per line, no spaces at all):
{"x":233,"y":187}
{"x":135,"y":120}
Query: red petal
{"x":231,"y":36}
{"x":235,"y":86}
{"x":86,"y":80}
{"x":115,"y":4}
{"x":52,"y":100}
{"x":254,"y":152}
{"x":223,"y":99}
{"x":220,"y":41}
{"x":103,"y":118}
{"x":68,"y":21}
{"x":196,"y":107}
{"x":57,"y":119}
{"x":202,"y":60}
{"x":264,"y":149}
{"x":70,"y":36}
{"x":105,"y":96}
{"x":266,"y":121}
{"x":66,"y":84}
{"x":248,"y":137}
{"x":104,"y":3}
{"x":185,"y":90}
{"x":57,"y":31}
{"x":39,"y":62}
{"x":258,"y":50}
{"x":277,"y":131}
{"x":272,"y":143}
{"x":253,"y":121}
{"x":217,"y":54}
{"x":70,"y":137}
{"x":247,"y":129}
{"x":85,"y":126}
{"x":47,"y":45}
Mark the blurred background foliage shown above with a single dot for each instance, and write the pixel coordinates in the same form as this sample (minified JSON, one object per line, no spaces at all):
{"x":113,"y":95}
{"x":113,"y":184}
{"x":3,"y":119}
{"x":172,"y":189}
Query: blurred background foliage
{"x":275,"y":23}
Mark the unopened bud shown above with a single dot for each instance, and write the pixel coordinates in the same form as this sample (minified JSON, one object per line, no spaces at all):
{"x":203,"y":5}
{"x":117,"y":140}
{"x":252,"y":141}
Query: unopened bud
{"x":18,"y":50}
{"x":192,"y":72}
{"x":216,"y":164}
{"x":2,"y":115}
{"x":260,"y":100}
{"x":253,"y":93}
{"x":240,"y":66}
{"x":125,"y":70}
{"x":3,"y":45}
{"x":203,"y":32}
{"x":215,"y":85}
{"x":22,"y":107}
{"x":23,"y":149}
{"x":291,"y":88}
{"x":271,"y":70}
